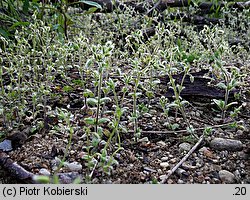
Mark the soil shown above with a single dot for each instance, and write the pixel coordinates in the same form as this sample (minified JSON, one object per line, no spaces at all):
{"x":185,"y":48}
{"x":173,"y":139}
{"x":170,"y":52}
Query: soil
{"x":140,"y":161}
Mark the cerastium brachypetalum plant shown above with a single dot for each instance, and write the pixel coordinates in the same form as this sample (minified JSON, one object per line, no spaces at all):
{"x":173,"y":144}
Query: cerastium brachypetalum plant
{"x":230,"y":82}
{"x":101,"y":57}
{"x":178,"y":102}
{"x":229,"y":76}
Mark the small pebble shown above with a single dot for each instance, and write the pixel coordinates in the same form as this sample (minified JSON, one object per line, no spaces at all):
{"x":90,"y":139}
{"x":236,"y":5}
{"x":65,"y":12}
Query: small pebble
{"x":180,"y":181}
{"x":149,"y":169}
{"x":226,"y":176}
{"x":173,"y":160}
{"x":181,"y":171}
{"x":144,"y":139}
{"x":74,"y":166}
{"x":170,"y":156}
{"x":164,"y":159}
{"x":44,"y":172}
{"x":153,"y":112}
{"x":6,"y":145}
{"x":170,"y":181}
{"x":242,"y":165}
{"x":184,"y":146}
{"x":201,"y":150}
{"x":161,"y":143}
{"x":147,"y":115}
{"x":162,"y":177}
{"x":164,"y":165}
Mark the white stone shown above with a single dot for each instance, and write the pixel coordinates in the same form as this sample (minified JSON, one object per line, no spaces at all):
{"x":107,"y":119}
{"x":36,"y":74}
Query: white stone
{"x":147,"y":115}
{"x":164,"y":159}
{"x":162,"y":177}
{"x":144,"y":139}
{"x":161,"y":143}
{"x":164,"y":164}
{"x":180,"y":181}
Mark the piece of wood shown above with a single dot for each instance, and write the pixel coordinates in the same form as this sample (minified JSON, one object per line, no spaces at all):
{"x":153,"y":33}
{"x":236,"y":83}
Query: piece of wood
{"x":21,"y":175}
{"x":15,"y":170}
{"x":198,"y":88}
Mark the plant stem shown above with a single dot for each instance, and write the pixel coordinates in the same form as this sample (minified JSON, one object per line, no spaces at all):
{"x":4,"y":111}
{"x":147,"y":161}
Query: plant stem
{"x":99,"y":98}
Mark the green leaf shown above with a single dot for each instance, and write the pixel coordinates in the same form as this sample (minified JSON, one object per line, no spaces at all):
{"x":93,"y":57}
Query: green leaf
{"x":103,"y":120}
{"x":88,"y":93}
{"x":67,"y":88}
{"x":4,"y":33}
{"x":221,"y":85}
{"x":105,"y":99}
{"x":91,"y":3}
{"x":19,"y":24}
{"x":41,"y":179}
{"x":234,"y":125}
{"x":91,"y":10}
{"x":90,"y":121}
{"x":208,"y":130}
{"x":190,"y":129}
{"x":230,"y":104}
{"x":173,"y":105}
{"x":233,"y":83}
{"x":183,"y":103}
{"x":191,"y":78}
{"x":92,"y":101}
{"x":174,"y":126}
{"x":219,"y":103}
{"x":77,"y":180}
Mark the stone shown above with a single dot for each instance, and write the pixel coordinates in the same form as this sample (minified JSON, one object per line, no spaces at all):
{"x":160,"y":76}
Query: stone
{"x":180,"y":181}
{"x":164,"y":159}
{"x":214,"y":167}
{"x":164,"y":165}
{"x":147,"y":115}
{"x":6,"y":145}
{"x":173,"y":160}
{"x":184,"y":147}
{"x":144,"y":139}
{"x":150,"y":170}
{"x":226,"y":144}
{"x":44,"y":171}
{"x":201,"y":150}
{"x":226,"y":177}
{"x":162,"y":177}
{"x":181,"y":172}
{"x":153,"y":112}
{"x":170,"y":181}
{"x":74,"y":166}
{"x":206,"y":152}
{"x":161,"y":143}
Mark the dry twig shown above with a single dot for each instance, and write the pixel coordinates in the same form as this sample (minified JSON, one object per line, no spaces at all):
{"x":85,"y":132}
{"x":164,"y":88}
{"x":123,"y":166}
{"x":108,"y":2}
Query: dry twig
{"x":183,"y":159}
